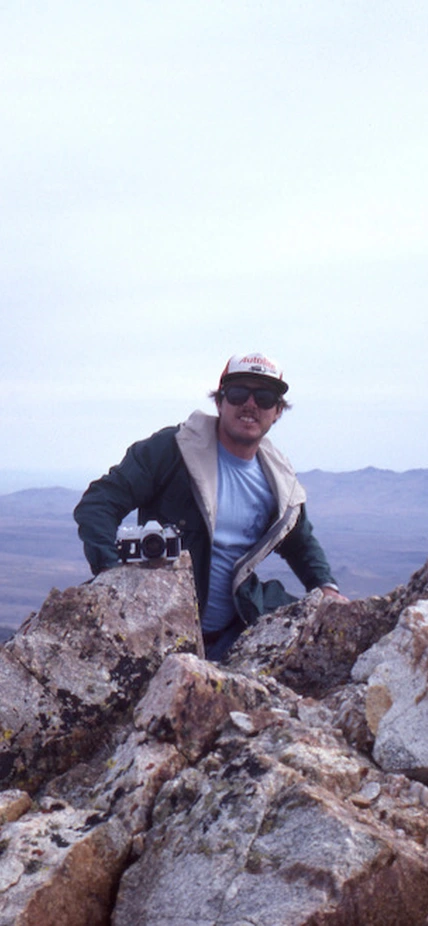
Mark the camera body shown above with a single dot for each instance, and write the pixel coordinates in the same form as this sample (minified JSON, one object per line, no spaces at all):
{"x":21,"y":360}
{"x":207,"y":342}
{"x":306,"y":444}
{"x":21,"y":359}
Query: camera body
{"x":148,"y":541}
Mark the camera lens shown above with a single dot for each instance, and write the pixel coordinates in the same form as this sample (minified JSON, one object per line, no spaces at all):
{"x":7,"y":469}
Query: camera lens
{"x":152,"y":546}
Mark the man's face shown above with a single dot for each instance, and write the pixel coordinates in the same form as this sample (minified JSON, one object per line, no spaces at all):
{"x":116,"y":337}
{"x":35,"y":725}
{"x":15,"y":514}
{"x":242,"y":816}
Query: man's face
{"x":241,"y":427}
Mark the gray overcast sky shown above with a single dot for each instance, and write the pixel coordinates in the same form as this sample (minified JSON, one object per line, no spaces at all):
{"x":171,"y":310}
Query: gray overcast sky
{"x":184,"y":180}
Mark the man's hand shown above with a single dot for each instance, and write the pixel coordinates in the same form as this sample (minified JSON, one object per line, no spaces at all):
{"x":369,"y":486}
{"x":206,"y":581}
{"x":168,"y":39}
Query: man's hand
{"x":332,"y":593}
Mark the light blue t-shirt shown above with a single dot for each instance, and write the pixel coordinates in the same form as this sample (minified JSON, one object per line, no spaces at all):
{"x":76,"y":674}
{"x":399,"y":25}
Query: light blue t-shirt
{"x":245,"y":505}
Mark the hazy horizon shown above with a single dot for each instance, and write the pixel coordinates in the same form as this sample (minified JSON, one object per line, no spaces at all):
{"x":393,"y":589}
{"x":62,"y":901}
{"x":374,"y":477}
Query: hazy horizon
{"x":77,"y":480}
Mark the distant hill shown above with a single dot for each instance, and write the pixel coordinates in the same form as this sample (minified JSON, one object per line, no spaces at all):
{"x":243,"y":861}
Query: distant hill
{"x":372,"y":523}
{"x":369,"y":491}
{"x":14,"y":480}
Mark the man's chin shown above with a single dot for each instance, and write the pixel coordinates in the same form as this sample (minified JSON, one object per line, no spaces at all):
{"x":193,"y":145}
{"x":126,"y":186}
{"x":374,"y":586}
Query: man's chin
{"x":247,"y":435}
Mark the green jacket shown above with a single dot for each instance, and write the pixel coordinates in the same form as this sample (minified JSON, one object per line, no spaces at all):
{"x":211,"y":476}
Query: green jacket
{"x":172,"y":477}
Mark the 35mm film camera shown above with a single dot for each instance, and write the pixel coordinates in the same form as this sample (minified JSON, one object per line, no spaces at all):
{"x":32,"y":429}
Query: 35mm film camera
{"x":148,"y":541}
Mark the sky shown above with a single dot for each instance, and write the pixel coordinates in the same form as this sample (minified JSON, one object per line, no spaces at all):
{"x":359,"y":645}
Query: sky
{"x":182,"y":181}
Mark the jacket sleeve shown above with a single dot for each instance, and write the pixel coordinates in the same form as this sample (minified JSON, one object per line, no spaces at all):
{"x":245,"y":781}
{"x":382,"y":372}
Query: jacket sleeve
{"x":131,"y":484}
{"x":305,"y":555}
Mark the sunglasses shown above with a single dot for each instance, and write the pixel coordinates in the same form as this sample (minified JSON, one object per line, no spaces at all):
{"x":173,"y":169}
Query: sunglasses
{"x":262,"y":395}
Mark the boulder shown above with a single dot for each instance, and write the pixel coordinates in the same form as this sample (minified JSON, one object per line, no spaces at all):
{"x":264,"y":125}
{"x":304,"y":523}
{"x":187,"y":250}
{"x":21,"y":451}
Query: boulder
{"x":312,"y":645}
{"x":396,"y":671}
{"x":275,"y":828}
{"x":85,"y":659}
{"x":60,"y":867}
{"x":188,"y":702}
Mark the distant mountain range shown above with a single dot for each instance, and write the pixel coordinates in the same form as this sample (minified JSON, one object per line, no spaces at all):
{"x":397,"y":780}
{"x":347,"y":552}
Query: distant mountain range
{"x":372,"y":523}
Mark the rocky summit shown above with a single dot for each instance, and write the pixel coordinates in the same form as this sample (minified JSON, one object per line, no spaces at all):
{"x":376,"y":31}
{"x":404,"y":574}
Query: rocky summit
{"x":145,"y":786}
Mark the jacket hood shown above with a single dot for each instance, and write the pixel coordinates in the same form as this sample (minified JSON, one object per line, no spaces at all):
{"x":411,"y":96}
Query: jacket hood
{"x":197,"y":440}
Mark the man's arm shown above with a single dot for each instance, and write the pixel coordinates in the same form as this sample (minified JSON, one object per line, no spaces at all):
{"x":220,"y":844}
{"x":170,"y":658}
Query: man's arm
{"x":132,"y":484}
{"x":306,"y":557}
{"x":102,"y":508}
{"x":100,"y":511}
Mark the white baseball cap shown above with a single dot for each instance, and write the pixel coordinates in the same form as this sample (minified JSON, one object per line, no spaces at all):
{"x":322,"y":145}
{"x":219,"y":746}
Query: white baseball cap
{"x":252,"y":364}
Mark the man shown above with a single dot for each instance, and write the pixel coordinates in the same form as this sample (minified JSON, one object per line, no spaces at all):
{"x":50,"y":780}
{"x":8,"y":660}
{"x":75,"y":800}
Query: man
{"x":233,"y":496}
